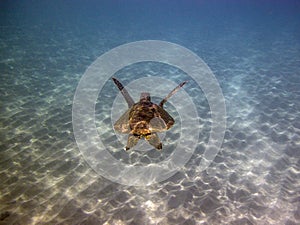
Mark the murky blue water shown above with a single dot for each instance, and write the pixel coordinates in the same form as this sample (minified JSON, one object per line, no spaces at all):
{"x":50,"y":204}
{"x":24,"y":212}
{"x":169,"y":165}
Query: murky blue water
{"x":253,"y":49}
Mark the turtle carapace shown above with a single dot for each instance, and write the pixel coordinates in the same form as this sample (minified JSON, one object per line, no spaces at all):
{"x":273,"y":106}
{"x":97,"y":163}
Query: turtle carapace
{"x":144,"y":118}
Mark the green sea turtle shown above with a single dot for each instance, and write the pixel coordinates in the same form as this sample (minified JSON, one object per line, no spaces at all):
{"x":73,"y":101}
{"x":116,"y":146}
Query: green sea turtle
{"x":144,"y":118}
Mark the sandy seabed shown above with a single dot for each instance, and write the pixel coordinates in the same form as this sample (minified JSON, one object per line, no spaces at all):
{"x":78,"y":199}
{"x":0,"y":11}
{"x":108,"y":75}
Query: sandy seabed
{"x":255,"y":178}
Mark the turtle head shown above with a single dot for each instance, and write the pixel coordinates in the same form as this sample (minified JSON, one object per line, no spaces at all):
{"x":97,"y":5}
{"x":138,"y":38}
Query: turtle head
{"x":145,"y":97}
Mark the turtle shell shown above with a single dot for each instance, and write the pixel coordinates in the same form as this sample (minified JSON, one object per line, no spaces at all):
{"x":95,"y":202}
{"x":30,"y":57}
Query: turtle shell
{"x":144,"y":118}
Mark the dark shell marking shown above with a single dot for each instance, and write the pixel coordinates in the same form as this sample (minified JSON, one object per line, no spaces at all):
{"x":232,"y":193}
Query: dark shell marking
{"x":144,"y":118}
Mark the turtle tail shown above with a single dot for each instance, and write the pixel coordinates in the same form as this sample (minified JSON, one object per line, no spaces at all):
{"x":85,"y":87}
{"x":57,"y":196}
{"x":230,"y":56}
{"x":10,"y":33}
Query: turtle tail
{"x":124,"y":92}
{"x":161,"y":104}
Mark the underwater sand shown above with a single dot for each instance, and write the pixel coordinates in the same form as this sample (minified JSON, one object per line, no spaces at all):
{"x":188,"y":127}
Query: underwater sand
{"x":255,"y":178}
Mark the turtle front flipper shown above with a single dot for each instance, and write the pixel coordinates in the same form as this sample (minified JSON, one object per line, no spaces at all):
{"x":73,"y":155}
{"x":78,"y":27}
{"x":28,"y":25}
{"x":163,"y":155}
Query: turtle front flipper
{"x":122,"y":124}
{"x":161,"y":104}
{"x":124,"y":92}
{"x":131,"y":141}
{"x":154,"y":140}
{"x":166,"y":117}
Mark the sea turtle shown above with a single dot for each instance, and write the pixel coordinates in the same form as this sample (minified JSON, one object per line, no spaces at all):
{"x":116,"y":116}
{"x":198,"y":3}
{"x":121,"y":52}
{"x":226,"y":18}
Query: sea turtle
{"x":144,"y":118}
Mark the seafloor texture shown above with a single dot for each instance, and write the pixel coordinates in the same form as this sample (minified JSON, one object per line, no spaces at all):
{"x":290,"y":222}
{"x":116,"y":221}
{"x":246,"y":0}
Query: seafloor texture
{"x":255,"y":178}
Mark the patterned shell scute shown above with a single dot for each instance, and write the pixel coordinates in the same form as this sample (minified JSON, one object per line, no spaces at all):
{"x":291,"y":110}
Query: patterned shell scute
{"x":144,"y":118}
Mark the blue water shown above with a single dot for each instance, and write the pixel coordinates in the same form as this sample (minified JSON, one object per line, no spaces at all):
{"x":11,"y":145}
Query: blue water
{"x":253,"y":49}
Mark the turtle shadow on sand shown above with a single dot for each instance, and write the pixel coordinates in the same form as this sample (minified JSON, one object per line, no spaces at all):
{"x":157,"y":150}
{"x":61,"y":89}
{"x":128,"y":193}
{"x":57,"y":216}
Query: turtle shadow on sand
{"x":144,"y":118}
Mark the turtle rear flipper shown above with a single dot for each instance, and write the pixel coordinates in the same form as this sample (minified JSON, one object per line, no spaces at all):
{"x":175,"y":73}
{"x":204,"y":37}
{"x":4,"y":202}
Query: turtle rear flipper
{"x":124,"y":92}
{"x":154,"y":140}
{"x":171,"y":93}
{"x":131,"y":141}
